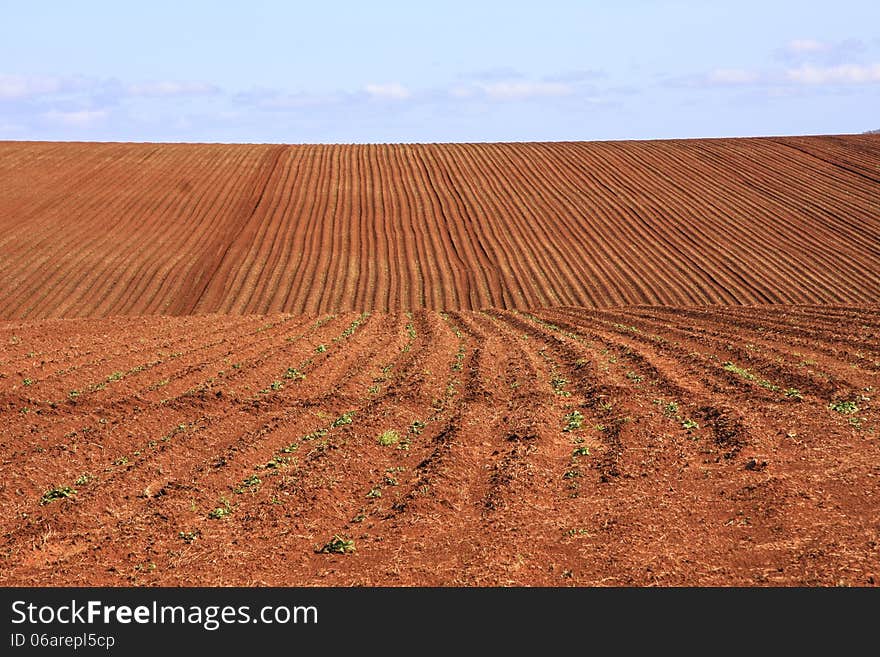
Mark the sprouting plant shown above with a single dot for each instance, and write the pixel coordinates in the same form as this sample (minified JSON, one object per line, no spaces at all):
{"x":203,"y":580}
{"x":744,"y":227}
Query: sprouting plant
{"x":844,"y":407}
{"x":337,"y":545}
{"x":27,"y":382}
{"x":689,"y":424}
{"x":293,"y":373}
{"x":581,"y":451}
{"x":342,"y":420}
{"x":221,"y":511}
{"x":558,"y":384}
{"x":189,"y":537}
{"x":249,"y":484}
{"x":669,"y":408}
{"x":794,"y":393}
{"x":276,"y":385}
{"x":57,"y":494}
{"x":573,"y":421}
{"x":83,"y":479}
{"x":276,"y":462}
{"x":320,"y":349}
{"x":388,"y":438}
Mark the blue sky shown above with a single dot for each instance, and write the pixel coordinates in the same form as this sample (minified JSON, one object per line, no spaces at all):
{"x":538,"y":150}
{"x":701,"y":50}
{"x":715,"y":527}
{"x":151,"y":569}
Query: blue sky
{"x":272,"y":71}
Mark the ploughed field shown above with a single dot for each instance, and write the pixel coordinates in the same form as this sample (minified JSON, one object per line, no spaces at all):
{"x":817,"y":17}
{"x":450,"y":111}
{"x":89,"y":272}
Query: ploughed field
{"x":639,"y":445}
{"x":93,"y":230}
{"x":481,"y":364}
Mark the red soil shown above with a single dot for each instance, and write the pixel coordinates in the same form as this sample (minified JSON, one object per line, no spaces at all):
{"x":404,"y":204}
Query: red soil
{"x":94,"y":230}
{"x":658,"y":365}
{"x":708,"y":451}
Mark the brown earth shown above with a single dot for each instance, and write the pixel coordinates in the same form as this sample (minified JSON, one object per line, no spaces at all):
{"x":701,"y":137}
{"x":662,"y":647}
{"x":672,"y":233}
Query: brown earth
{"x":94,"y":230}
{"x":657,"y":364}
{"x":565,"y":446}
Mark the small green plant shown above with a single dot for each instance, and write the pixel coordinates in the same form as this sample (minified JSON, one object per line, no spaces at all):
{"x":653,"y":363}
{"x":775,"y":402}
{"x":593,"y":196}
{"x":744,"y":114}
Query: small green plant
{"x":57,"y":494}
{"x":416,"y":427}
{"x":375,"y":492}
{"x":115,"y":376}
{"x":316,"y":434}
{"x":294,"y":374}
{"x":221,"y":511}
{"x":276,"y":385}
{"x":558,"y":384}
{"x":794,"y":393}
{"x":337,"y":545}
{"x":342,"y":420}
{"x":122,"y":460}
{"x":669,"y":408}
{"x":27,"y":382}
{"x":689,"y":424}
{"x":844,"y":407}
{"x":277,"y":462}
{"x":573,"y":421}
{"x":249,"y":484}
{"x":73,"y":394}
{"x":624,"y":327}
{"x":189,"y":537}
{"x":581,"y":451}
{"x":744,"y":373}
{"x":388,"y":438}
{"x":632,"y":376}
{"x":320,"y":349}
{"x":83,"y":479}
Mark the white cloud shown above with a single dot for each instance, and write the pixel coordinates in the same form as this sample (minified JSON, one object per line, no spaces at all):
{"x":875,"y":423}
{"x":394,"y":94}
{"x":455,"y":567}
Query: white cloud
{"x":843,"y":74}
{"x":170,"y":88}
{"x":20,"y":86}
{"x":732,"y":76}
{"x":519,"y":90}
{"x":827,"y":53}
{"x":803,"y":46}
{"x":389,"y":91}
{"x":77,"y":118}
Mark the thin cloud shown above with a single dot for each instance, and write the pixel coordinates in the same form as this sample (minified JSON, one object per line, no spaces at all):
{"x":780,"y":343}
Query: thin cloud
{"x":523,"y":89}
{"x":732,"y":76}
{"x":164,"y":89}
{"x":495,"y":74}
{"x":832,"y":75}
{"x":77,"y":118}
{"x":22,"y":86}
{"x":578,"y":76}
{"x":813,"y":51}
{"x":388,"y":91}
{"x":801,"y":46}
